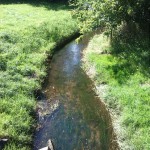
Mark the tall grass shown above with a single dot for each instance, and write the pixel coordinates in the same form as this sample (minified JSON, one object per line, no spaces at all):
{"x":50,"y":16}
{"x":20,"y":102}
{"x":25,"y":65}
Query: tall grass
{"x":122,"y":78}
{"x":28,"y":34}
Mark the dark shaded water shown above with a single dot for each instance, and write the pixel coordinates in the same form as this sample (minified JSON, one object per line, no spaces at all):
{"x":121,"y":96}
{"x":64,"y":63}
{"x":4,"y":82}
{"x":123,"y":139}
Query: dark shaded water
{"x":71,"y":114}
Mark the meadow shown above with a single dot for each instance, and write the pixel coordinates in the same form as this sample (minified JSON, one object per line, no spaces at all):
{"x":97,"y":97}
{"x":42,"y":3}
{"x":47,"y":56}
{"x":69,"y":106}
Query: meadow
{"x":120,"y":70}
{"x":29,"y":32}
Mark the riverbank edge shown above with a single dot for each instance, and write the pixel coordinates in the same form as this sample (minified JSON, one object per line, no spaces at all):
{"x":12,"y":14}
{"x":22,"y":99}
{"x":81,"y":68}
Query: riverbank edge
{"x":31,"y":45}
{"x":55,"y":49}
{"x":114,"y":113}
{"x":122,"y":82}
{"x":42,"y":81}
{"x":125,"y":97}
{"x":116,"y":126}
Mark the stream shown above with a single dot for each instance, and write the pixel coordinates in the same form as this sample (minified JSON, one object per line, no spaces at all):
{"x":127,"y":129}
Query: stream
{"x":69,"y":111}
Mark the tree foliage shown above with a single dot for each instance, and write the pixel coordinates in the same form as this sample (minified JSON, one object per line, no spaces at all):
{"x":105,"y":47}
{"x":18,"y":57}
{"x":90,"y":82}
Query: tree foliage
{"x":110,"y":13}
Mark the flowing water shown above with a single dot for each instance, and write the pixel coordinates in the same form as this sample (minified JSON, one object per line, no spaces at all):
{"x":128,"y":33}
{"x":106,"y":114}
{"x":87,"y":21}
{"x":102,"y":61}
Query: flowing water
{"x":70,"y":113}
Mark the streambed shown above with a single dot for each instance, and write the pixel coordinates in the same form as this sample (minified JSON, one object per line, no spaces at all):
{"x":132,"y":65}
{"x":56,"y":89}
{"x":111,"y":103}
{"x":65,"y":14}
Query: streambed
{"x":70,"y":113}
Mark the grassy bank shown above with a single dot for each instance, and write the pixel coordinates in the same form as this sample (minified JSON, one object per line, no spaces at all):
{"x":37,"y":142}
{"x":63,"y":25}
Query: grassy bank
{"x":28,"y":34}
{"x":121,"y":71}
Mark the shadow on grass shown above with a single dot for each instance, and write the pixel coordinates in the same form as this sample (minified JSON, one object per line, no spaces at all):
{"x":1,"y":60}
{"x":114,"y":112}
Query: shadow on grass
{"x":48,"y":4}
{"x":132,"y":51}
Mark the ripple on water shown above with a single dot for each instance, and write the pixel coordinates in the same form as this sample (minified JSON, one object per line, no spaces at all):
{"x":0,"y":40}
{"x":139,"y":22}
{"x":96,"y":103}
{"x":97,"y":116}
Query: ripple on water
{"x":71,"y":114}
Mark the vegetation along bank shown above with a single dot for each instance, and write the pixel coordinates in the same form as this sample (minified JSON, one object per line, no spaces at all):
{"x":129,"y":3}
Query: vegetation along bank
{"x":122,"y":82}
{"x":28,"y":34}
{"x":118,"y":61}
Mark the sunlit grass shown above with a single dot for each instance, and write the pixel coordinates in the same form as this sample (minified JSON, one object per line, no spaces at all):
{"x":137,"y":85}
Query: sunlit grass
{"x":124,"y":68}
{"x":28,"y":34}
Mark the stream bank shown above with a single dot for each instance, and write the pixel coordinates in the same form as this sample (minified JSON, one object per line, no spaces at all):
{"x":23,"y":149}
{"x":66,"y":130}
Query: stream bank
{"x":121,"y":77}
{"x":25,"y":45}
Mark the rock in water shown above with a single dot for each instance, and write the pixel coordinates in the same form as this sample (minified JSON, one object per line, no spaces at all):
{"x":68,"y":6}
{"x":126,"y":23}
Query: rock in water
{"x":49,"y":147}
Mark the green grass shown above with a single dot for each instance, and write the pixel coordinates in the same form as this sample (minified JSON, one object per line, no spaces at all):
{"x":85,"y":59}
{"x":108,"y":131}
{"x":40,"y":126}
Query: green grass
{"x":28,"y":34}
{"x":124,"y":67}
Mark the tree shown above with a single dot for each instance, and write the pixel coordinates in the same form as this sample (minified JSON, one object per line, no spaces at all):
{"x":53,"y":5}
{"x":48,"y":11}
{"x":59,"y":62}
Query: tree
{"x":109,"y":14}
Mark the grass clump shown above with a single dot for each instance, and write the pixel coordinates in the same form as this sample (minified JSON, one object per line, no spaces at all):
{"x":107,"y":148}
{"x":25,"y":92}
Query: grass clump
{"x":28,"y":34}
{"x":122,"y":66}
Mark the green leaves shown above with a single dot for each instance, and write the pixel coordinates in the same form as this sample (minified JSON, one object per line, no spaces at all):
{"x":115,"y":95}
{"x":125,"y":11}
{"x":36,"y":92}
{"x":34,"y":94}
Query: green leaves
{"x":94,"y":14}
{"x":110,"y":13}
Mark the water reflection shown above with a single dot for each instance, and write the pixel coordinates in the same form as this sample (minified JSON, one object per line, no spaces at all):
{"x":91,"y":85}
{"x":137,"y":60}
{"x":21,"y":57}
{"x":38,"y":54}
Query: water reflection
{"x":75,"y":119}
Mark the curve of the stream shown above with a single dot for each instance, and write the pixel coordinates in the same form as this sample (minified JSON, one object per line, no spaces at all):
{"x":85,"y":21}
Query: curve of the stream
{"x":70,"y":113}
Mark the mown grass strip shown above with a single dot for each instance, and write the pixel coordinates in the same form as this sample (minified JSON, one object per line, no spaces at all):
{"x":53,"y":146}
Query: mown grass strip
{"x":28,"y":35}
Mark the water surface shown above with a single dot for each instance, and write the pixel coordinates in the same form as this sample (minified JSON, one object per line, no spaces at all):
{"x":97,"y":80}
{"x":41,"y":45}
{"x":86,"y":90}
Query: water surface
{"x":70,"y":113}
